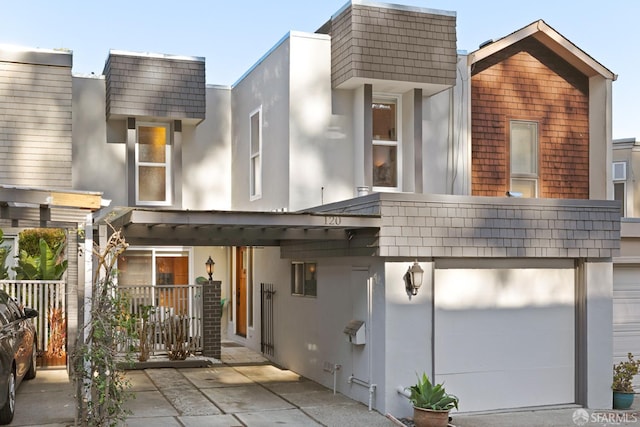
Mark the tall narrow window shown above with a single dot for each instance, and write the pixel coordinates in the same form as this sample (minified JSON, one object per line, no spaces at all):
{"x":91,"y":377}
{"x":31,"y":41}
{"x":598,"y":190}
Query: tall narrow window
{"x":256,"y":155}
{"x":619,"y":185}
{"x":153,"y":166}
{"x":524,"y":158}
{"x":386,"y":163}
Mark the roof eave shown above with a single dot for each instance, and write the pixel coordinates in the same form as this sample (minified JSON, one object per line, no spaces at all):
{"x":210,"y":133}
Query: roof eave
{"x":551,"y":39}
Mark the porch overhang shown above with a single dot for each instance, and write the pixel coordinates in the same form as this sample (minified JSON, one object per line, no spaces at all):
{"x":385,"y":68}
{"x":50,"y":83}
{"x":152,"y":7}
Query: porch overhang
{"x":46,"y":207}
{"x":147,"y":227}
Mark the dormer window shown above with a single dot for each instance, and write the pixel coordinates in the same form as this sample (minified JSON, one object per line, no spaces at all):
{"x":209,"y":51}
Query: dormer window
{"x":386,"y":141}
{"x":153,"y":166}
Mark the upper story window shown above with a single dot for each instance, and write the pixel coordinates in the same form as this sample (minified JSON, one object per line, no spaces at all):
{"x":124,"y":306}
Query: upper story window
{"x":255,"y":172}
{"x":620,"y":185}
{"x":386,"y":142}
{"x":524,"y":157}
{"x":153,"y":165}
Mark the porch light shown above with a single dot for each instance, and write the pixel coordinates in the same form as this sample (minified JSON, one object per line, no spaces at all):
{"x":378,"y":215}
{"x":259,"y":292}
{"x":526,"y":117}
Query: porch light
{"x":209,"y":266}
{"x":413,"y":278}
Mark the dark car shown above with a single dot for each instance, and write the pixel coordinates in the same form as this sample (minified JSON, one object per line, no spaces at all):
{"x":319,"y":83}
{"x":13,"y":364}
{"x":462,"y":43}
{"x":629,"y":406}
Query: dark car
{"x":18,"y":349}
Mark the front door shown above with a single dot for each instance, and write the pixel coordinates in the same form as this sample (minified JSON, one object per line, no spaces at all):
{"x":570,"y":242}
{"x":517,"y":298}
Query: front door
{"x":241,"y":291}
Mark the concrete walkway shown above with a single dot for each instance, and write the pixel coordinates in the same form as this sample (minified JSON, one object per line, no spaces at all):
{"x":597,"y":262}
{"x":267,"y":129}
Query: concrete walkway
{"x":245,"y":390}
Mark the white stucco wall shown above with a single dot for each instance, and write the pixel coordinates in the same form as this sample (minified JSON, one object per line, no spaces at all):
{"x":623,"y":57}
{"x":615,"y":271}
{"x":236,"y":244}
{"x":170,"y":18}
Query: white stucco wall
{"x":309,"y":331}
{"x":598,"y":288}
{"x":206,"y":155}
{"x":319,"y":160}
{"x":447,"y":138}
{"x":97,"y":164}
{"x":265,"y":86}
{"x":409,"y":335}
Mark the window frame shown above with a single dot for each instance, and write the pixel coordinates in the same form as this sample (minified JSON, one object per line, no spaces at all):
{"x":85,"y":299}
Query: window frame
{"x":255,"y":176}
{"x":305,"y":291}
{"x":167,"y":165}
{"x":533,"y":177}
{"x":620,"y":182}
{"x":397,"y":143}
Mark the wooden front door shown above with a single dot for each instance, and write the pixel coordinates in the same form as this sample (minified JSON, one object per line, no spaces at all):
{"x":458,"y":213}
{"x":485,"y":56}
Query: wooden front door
{"x":241,"y":291}
{"x":172,"y":277}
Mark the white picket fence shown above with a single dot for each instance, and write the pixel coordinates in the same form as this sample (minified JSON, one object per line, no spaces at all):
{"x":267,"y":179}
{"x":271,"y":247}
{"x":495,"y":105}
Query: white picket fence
{"x":165,"y":304}
{"x":42,"y":296}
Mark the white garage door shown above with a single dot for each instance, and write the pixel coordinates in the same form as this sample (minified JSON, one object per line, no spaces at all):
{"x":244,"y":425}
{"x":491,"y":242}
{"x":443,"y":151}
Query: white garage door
{"x":505,"y":338}
{"x":626,"y":311}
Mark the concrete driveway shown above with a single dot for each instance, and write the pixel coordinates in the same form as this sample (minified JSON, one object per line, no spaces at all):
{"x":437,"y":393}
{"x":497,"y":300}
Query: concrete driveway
{"x":254,"y":393}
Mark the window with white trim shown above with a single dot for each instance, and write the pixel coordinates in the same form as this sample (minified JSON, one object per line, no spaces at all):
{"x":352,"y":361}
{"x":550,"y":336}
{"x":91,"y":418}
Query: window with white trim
{"x":523,"y":136}
{"x":153,"y":164}
{"x":620,"y":185}
{"x":303,"y":279}
{"x":386,"y":142}
{"x":255,"y":172}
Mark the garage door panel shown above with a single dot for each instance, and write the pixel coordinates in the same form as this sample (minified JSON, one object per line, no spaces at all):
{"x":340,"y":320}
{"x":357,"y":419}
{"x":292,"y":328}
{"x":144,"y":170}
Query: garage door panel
{"x":626,"y":311}
{"x":511,"y":328}
{"x":480,"y":391}
{"x":486,"y":350}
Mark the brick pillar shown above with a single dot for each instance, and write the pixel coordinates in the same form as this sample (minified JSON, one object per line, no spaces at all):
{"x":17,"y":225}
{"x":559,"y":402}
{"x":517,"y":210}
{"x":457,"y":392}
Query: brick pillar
{"x":211,"y":312}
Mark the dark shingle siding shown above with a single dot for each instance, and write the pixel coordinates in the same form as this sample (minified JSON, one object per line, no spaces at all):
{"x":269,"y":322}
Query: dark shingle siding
{"x":393,"y":44}
{"x":155,"y":87}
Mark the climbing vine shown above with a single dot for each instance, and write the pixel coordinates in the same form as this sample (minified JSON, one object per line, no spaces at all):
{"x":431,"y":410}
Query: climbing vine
{"x":101,"y":388}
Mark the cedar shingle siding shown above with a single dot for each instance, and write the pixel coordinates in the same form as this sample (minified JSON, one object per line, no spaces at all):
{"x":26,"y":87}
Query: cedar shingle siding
{"x":391,"y":44}
{"x":35,"y":132}
{"x":527,"y":81}
{"x":147,"y":86}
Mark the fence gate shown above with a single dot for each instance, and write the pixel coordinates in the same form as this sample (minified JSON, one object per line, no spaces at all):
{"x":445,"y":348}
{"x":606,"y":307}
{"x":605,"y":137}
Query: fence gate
{"x":266,"y":308}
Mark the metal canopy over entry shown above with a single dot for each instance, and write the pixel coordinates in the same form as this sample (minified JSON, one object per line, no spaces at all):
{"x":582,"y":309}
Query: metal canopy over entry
{"x":233,"y":228}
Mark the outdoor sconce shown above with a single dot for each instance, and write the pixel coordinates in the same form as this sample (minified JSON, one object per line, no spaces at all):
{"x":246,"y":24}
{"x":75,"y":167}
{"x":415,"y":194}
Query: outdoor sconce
{"x":413,"y":278}
{"x":209,"y":266}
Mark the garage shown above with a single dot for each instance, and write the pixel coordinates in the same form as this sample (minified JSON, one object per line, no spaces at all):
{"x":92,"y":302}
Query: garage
{"x":626,"y":310}
{"x":505,"y":337}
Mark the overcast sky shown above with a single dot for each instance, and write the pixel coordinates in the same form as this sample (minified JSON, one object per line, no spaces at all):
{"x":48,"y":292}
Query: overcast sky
{"x":233,"y":34}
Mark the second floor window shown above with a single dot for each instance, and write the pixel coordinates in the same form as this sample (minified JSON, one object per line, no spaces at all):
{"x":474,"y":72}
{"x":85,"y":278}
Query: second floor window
{"x":153,"y":166}
{"x":619,"y":185}
{"x":255,"y":172}
{"x":385,"y":143}
{"x":524,"y":157}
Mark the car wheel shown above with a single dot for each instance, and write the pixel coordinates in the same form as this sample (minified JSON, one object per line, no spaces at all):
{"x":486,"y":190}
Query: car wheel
{"x":31,"y":373}
{"x":6,"y":412}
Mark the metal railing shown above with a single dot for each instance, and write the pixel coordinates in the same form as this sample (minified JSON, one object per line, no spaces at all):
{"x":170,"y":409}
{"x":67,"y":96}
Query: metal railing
{"x":43,"y":296}
{"x":267,"y":292}
{"x":172,"y":313}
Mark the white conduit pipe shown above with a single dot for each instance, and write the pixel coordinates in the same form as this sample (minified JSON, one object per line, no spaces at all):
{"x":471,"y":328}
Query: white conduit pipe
{"x":403,"y":391}
{"x":371,"y":387}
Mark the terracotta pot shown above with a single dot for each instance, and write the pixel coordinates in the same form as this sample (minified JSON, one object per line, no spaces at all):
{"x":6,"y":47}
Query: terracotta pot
{"x":430,"y":418}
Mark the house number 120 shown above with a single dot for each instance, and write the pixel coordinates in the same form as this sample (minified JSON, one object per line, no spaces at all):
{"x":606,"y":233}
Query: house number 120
{"x":332,"y":220}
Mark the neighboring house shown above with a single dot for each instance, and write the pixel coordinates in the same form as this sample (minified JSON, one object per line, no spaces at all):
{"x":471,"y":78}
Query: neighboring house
{"x":344,"y":156}
{"x":626,"y":268}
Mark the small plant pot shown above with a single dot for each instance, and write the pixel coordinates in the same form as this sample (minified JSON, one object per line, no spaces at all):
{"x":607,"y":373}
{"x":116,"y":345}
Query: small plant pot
{"x":429,"y":418}
{"x":622,"y":400}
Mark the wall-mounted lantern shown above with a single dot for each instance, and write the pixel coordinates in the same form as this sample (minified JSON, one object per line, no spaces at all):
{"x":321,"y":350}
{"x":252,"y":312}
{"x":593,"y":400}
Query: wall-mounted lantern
{"x":413,"y":278}
{"x":209,"y":266}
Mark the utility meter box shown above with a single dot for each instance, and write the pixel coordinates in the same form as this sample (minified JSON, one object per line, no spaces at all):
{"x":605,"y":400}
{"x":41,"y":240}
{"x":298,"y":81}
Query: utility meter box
{"x":355,"y":332}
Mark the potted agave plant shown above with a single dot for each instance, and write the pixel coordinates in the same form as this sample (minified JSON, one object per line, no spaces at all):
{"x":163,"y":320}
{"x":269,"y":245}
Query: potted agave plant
{"x":622,"y":386}
{"x":431,"y":403}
